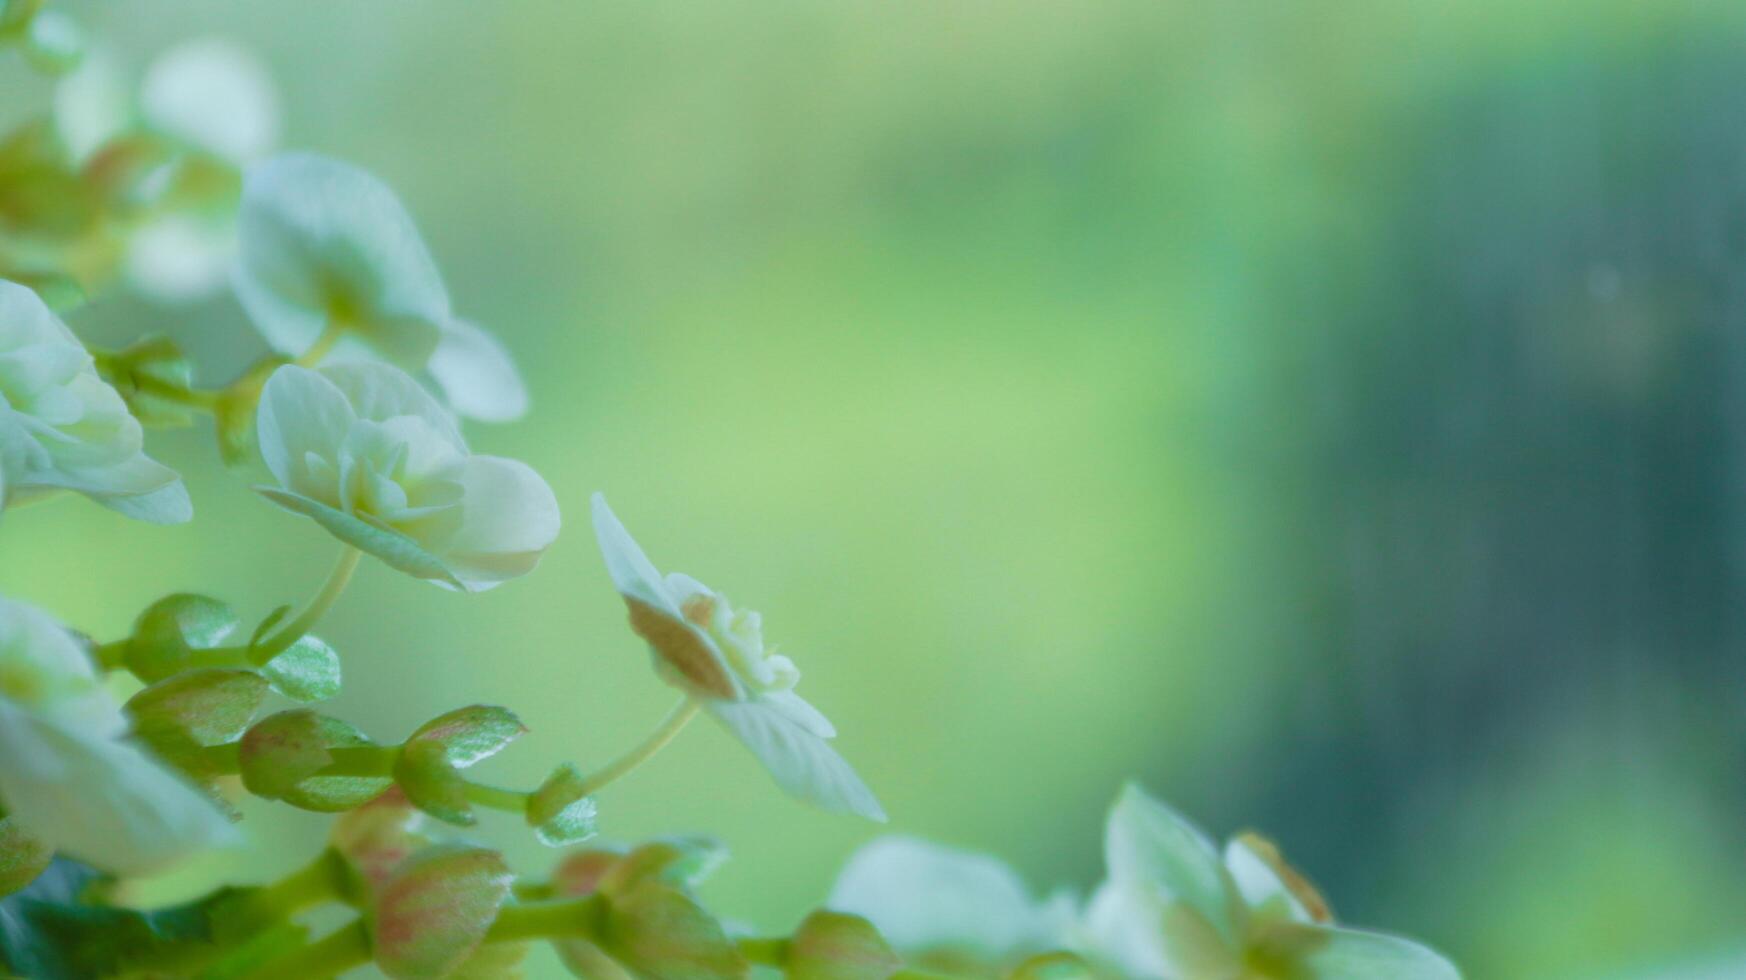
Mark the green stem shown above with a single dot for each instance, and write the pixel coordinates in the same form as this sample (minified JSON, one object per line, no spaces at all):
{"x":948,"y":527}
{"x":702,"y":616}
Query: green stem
{"x":347,"y":760}
{"x":198,"y":398}
{"x":671,"y":726}
{"x":508,"y":800}
{"x":319,"y":881}
{"x":546,"y":920}
{"x":329,"y":956}
{"x":303,"y":622}
{"x":765,"y":952}
{"x":324,"y":344}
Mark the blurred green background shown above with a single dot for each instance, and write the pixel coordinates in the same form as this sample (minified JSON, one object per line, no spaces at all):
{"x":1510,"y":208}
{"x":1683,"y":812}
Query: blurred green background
{"x":1332,"y":415}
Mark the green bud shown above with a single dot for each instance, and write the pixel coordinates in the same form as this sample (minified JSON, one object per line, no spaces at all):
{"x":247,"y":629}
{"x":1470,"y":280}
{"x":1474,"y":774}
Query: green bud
{"x":834,"y":946}
{"x":657,"y":930}
{"x":433,"y":784}
{"x":166,"y":635}
{"x":281,"y":755}
{"x":433,"y":912}
{"x":180,"y":714}
{"x":559,"y":812}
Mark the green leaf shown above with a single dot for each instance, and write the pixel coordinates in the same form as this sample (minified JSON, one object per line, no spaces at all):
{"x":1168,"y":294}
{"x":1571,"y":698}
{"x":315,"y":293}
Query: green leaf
{"x":48,"y":932}
{"x":434,"y":911}
{"x":834,"y":946}
{"x":271,"y":620}
{"x":393,"y":547}
{"x":559,"y":812}
{"x":571,"y":825}
{"x":171,"y":629}
{"x":427,"y":777}
{"x":22,"y":857}
{"x":281,"y":755}
{"x":308,"y":671}
{"x":468,"y":735}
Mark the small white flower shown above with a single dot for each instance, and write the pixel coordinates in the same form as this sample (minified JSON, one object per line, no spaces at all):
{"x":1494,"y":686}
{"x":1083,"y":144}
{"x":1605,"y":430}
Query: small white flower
{"x":926,"y":898}
{"x":703,"y":646}
{"x":215,"y":95}
{"x":1173,"y":909}
{"x":372,"y":457}
{"x":66,"y":773}
{"x":63,"y":428}
{"x":325,"y":245}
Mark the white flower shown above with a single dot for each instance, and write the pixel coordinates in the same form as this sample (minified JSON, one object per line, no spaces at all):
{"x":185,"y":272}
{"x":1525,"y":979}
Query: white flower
{"x":67,"y":775}
{"x":1172,"y":908}
{"x":926,"y":898}
{"x":324,"y":245}
{"x":63,"y":428}
{"x":704,"y":647}
{"x":215,"y":95}
{"x":372,"y":457}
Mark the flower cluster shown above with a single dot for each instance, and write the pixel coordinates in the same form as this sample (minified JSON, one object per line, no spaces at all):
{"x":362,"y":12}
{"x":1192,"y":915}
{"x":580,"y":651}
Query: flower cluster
{"x":1172,"y":907}
{"x":353,"y":419}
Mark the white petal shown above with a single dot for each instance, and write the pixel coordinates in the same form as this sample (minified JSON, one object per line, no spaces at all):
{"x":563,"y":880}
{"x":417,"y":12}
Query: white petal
{"x":803,"y":764}
{"x":1351,"y":954}
{"x":801,"y":712}
{"x":178,"y":259}
{"x":169,"y":504}
{"x":102,"y":801}
{"x":319,"y":239}
{"x":631,"y":571}
{"x":215,"y":95}
{"x":1124,"y":929}
{"x":91,"y":105}
{"x":378,"y":392}
{"x":509,"y":517}
{"x":1260,"y":884}
{"x":301,"y":412}
{"x":923,"y":896}
{"x":477,"y":374}
{"x":1151,"y":849}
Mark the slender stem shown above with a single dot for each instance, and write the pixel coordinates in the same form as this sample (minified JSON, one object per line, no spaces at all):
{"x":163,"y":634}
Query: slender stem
{"x":509,"y":800}
{"x":329,"y":956}
{"x":347,"y":760}
{"x":545,"y":920}
{"x":671,"y":726}
{"x":324,"y":344}
{"x":765,"y":952}
{"x":318,"y":606}
{"x":111,"y":655}
{"x":146,"y":384}
{"x":317,"y":882}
